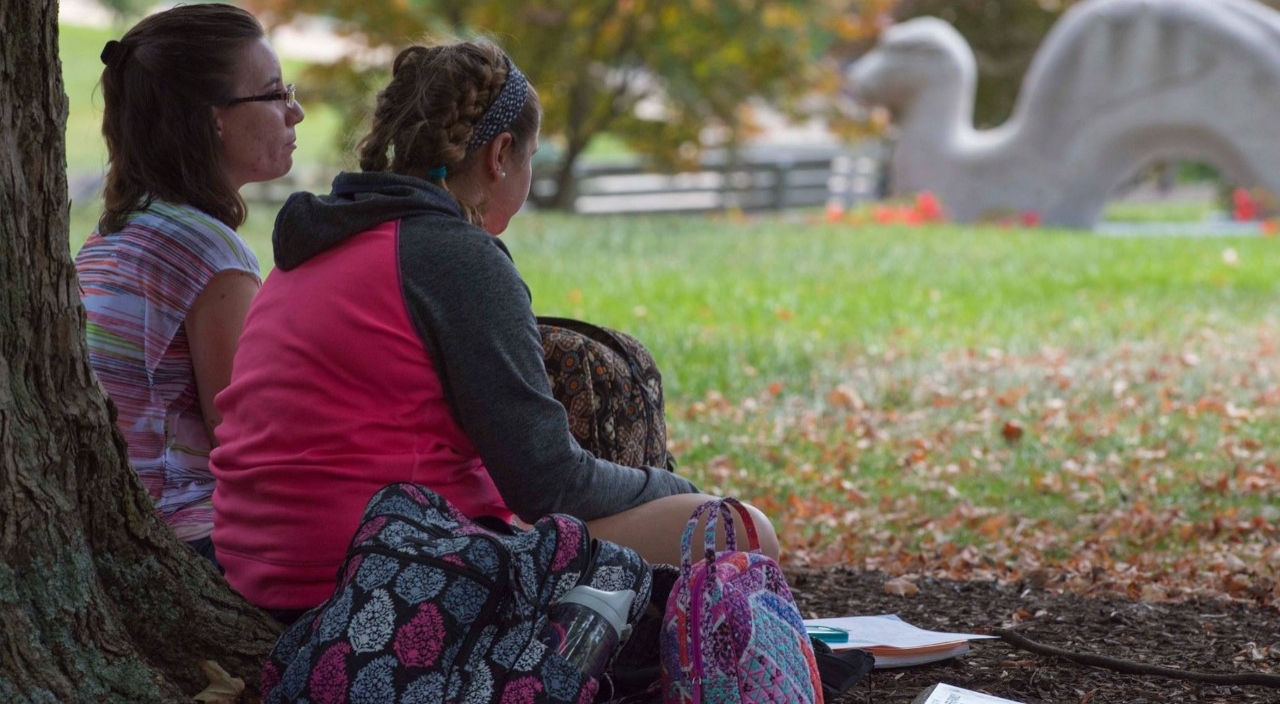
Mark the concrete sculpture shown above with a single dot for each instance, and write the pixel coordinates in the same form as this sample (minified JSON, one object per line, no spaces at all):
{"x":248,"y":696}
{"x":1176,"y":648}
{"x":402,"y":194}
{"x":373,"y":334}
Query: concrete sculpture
{"x":1116,"y":85}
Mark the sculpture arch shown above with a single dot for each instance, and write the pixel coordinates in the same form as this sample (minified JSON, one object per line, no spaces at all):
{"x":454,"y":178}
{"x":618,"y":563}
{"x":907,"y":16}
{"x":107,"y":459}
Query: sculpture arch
{"x":1116,"y":85}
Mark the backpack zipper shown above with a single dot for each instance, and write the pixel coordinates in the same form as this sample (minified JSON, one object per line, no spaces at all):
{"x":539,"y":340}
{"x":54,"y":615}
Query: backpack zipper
{"x":697,"y":666}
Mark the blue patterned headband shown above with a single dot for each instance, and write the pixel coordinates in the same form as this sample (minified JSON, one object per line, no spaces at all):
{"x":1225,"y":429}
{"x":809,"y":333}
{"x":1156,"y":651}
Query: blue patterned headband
{"x":503,"y":110}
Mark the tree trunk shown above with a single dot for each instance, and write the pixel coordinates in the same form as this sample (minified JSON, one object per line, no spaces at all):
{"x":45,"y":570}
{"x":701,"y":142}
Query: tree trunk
{"x":577,"y":135}
{"x":99,"y":601}
{"x":566,"y":193}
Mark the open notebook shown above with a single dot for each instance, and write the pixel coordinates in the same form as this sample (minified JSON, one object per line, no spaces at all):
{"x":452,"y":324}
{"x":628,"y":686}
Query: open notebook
{"x":894,"y":642}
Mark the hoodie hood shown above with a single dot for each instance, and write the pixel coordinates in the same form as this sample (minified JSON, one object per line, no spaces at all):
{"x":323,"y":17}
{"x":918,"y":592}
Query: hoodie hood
{"x":309,"y":224}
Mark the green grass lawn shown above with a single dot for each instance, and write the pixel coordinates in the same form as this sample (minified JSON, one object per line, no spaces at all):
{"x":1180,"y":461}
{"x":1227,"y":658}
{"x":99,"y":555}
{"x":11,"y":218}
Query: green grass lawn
{"x":744,"y":304}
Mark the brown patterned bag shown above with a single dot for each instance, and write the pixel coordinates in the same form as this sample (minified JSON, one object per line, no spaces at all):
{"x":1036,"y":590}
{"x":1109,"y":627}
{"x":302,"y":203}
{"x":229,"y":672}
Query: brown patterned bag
{"x":612,"y":389}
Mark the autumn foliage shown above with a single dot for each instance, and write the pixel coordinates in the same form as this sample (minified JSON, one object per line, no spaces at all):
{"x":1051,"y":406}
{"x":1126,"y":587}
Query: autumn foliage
{"x":659,"y":75}
{"x":1135,"y":472}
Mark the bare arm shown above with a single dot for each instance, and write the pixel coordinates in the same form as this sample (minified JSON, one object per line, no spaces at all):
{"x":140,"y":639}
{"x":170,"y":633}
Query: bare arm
{"x":213,"y":325}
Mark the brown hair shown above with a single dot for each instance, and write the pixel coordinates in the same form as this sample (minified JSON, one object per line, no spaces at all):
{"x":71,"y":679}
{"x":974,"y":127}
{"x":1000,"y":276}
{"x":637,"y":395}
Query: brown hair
{"x":427,"y":113}
{"x":159,"y":85}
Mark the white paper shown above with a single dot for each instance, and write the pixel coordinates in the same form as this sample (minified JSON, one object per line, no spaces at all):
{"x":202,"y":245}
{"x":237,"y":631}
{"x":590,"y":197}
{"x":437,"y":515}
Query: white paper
{"x":886,"y":629}
{"x":946,"y":694}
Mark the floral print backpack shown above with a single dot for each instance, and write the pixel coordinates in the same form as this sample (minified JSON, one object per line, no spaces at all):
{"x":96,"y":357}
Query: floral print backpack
{"x":432,"y":607}
{"x":732,"y":632}
{"x":611,"y":388}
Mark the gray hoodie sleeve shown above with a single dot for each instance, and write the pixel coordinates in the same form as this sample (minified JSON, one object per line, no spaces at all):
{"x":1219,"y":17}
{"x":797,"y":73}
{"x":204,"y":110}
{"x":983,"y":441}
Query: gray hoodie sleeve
{"x":474,"y":314}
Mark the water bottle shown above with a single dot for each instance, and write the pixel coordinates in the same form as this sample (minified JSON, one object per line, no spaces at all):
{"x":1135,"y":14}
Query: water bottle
{"x":587,"y":625}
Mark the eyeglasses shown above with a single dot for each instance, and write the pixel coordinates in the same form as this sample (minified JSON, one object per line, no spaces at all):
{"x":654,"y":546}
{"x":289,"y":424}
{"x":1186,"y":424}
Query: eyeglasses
{"x":289,"y":95}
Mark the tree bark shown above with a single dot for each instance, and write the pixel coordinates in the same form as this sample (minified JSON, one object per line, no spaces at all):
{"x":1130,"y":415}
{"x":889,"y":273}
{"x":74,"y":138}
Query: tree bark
{"x":99,"y":601}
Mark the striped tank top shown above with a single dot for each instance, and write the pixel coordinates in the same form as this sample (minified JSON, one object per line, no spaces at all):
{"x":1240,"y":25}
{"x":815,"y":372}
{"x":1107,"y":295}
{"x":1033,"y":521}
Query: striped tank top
{"x":137,"y":286}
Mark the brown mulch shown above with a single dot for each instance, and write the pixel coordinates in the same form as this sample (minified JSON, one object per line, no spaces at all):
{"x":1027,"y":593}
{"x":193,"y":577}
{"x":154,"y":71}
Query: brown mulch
{"x":1205,"y":636}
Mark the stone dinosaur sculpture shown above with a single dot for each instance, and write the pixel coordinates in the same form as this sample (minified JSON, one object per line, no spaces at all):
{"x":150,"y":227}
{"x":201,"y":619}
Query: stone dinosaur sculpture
{"x":1116,"y":85}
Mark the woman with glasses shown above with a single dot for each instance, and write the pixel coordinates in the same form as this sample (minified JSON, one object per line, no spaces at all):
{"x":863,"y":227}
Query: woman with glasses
{"x":194,"y":108}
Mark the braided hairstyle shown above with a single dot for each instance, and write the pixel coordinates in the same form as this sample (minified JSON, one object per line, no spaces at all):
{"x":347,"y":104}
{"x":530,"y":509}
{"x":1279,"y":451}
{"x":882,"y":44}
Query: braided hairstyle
{"x":426,"y":116}
{"x":158,"y":84}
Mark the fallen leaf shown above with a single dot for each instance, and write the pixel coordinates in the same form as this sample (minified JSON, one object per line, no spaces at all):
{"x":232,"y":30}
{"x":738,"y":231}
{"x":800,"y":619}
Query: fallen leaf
{"x":901,"y":587}
{"x":1012,"y":431}
{"x":846,"y":397}
{"x":1021,"y":616}
{"x":223,"y":688}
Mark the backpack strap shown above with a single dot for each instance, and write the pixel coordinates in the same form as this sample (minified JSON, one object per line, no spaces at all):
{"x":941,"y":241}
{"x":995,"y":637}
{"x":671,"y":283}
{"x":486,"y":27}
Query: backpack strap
{"x":598,"y":333}
{"x":686,"y":540}
{"x":713,"y":509}
{"x":730,"y":540}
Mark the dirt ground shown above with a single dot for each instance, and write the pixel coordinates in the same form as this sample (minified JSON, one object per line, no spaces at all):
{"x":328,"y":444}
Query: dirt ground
{"x":1203,"y":636}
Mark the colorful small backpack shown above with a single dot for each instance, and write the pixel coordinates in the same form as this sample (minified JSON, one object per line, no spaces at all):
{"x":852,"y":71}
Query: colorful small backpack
{"x":732,"y":632}
{"x":433,"y":607}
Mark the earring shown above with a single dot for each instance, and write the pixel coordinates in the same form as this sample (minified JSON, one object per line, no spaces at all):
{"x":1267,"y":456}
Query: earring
{"x":502,"y":174}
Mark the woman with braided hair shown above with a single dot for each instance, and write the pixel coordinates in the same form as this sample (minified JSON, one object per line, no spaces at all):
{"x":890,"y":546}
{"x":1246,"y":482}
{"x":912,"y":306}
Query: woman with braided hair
{"x":395,"y":341}
{"x":194,"y":108}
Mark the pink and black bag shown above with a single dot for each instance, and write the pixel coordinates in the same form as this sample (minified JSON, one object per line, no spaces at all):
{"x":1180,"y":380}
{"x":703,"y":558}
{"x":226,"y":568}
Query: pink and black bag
{"x":732,"y":632}
{"x":434,"y":607}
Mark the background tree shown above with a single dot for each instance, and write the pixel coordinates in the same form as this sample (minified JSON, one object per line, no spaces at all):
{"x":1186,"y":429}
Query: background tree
{"x":99,"y":600}
{"x":655,"y":73}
